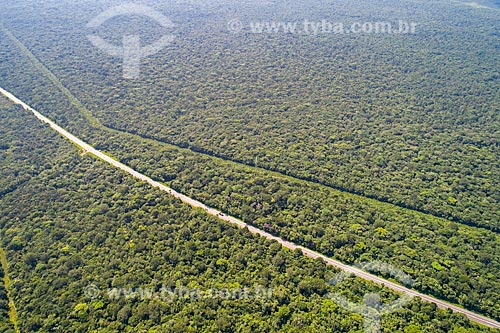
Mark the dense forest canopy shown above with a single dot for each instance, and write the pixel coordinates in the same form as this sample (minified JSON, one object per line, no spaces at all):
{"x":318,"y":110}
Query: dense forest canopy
{"x":78,"y":222}
{"x":366,"y":147}
{"x":409,"y":119}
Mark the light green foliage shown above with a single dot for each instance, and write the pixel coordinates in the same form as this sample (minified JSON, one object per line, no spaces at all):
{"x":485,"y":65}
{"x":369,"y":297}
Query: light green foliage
{"x":410,"y":121}
{"x":168,"y":237}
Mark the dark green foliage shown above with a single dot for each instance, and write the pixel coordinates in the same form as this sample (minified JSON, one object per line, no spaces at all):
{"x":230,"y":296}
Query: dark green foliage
{"x":409,"y":120}
{"x":350,"y":228}
{"x":5,"y":323}
{"x":412,"y":120}
{"x":82,"y":222}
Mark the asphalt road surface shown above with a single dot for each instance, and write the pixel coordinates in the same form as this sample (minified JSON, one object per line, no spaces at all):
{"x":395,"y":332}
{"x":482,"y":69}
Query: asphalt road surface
{"x":194,"y":203}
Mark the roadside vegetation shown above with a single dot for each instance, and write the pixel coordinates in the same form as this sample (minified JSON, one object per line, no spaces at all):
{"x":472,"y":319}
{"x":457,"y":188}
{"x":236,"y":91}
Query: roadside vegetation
{"x":80,"y":222}
{"x":362,"y":148}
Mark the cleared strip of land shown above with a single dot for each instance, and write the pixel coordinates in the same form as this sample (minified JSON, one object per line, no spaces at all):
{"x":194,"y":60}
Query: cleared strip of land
{"x":94,"y":122}
{"x":6,"y":282}
{"x":194,"y":203}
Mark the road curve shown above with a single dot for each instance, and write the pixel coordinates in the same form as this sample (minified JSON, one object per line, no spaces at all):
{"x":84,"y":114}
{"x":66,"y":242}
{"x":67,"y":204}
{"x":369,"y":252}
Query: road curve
{"x":194,"y":203}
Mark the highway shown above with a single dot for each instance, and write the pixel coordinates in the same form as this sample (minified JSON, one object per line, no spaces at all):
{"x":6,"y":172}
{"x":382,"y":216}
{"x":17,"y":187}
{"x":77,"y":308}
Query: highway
{"x":194,"y":203}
